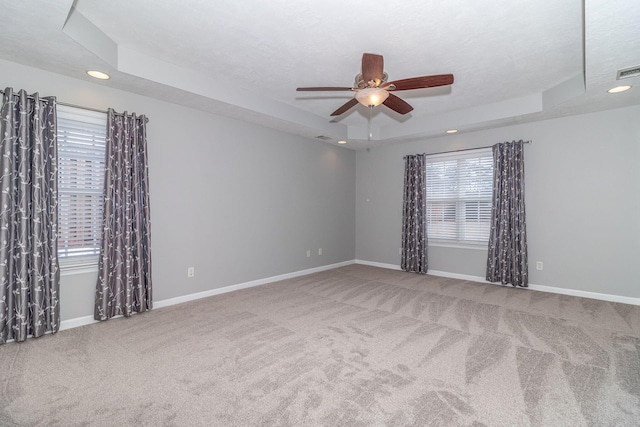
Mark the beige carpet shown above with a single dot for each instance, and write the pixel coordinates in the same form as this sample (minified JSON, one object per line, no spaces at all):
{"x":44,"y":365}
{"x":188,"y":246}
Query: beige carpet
{"x":354,"y":346}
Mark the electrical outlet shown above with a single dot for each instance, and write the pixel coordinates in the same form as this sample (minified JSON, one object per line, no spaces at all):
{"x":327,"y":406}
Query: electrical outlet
{"x":539,"y":265}
{"x":319,"y":251}
{"x":308,"y":253}
{"x":191,"y":271}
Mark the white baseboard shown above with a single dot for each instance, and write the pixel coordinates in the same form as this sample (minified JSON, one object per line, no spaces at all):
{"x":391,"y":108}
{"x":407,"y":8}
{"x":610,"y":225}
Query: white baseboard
{"x":231,"y":288}
{"x":586,"y":294}
{"x":378,"y":264}
{"x":533,"y":287}
{"x":87,"y":320}
{"x":78,"y":321}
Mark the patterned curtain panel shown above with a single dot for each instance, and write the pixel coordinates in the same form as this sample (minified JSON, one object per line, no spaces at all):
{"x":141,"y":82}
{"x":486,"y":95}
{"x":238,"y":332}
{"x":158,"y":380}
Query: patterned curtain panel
{"x":414,"y":223}
{"x":29,"y":270}
{"x":124,"y":279}
{"x":507,"y":258}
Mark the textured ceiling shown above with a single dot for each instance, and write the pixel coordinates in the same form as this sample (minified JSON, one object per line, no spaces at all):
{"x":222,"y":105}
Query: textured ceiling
{"x":512,"y":61}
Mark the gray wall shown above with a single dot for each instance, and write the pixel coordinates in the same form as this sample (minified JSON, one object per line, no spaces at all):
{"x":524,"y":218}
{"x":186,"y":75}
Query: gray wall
{"x":243,"y":202}
{"x":238,"y":202}
{"x":582,"y":197}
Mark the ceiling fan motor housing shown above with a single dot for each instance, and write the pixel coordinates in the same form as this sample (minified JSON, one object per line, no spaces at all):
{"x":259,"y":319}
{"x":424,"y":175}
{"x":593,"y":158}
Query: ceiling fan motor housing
{"x":360,"y":83}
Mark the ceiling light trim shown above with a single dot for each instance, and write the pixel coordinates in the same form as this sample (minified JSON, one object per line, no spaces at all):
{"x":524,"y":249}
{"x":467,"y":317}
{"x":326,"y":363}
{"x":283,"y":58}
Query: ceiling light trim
{"x":98,"y":75}
{"x":619,"y":89}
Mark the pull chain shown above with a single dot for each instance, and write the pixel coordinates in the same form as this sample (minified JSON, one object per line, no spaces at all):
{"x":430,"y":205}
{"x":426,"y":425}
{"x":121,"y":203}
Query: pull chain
{"x":370,"y":131}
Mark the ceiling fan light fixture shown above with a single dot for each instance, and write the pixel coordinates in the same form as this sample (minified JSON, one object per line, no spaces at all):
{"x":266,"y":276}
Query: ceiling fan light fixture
{"x":372,"y":88}
{"x":371,"y":96}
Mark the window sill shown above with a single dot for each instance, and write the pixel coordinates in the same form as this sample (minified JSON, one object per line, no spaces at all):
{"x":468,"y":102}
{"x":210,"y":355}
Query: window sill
{"x":482,"y":247}
{"x":78,"y":268}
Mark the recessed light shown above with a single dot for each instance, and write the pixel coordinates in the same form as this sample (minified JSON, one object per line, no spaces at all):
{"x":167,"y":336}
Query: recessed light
{"x":342,"y":142}
{"x":452,"y":131}
{"x":98,"y":75}
{"x":618,"y":89}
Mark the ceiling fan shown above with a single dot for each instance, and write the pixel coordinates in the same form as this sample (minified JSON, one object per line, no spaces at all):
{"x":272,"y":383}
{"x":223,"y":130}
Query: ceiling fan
{"x":372,"y":87}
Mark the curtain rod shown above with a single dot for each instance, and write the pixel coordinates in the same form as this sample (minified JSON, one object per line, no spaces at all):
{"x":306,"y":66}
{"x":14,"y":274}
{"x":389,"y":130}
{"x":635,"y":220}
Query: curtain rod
{"x":97,"y":110}
{"x":466,"y":149}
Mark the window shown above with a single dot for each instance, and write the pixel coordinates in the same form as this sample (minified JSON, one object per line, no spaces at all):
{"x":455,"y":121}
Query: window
{"x":81,"y":158}
{"x":459,"y":195}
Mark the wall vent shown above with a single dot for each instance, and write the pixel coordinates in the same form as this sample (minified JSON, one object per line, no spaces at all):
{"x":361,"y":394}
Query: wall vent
{"x":323,"y":138}
{"x":627,"y":73}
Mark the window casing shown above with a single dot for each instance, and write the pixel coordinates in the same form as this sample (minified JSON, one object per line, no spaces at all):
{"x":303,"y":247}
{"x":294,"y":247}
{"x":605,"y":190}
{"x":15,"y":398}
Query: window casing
{"x":459,"y":196}
{"x":81,"y":160}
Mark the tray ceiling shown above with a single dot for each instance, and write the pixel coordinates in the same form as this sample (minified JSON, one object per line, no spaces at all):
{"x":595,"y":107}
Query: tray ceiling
{"x":513,"y":61}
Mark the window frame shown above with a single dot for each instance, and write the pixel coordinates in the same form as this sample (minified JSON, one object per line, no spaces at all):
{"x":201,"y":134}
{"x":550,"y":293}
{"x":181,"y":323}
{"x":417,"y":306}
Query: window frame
{"x":92,"y":121}
{"x":486,"y":154}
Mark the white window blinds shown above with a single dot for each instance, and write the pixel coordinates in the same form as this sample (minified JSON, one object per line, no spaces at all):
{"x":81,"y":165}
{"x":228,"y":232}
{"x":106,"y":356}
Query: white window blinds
{"x":459,"y":194}
{"x":81,"y":159}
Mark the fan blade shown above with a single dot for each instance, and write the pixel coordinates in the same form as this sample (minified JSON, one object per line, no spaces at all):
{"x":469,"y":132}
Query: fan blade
{"x":351,"y":103}
{"x":321,"y":88}
{"x":421,"y":82}
{"x":397,"y":104}
{"x":372,"y":69}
